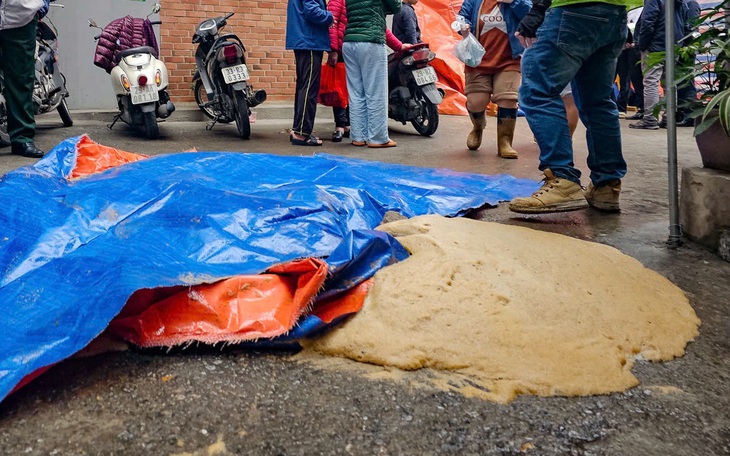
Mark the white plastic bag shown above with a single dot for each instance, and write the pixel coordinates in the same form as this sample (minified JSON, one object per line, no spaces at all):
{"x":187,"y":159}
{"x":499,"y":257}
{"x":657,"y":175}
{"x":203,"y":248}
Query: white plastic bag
{"x":469,"y":51}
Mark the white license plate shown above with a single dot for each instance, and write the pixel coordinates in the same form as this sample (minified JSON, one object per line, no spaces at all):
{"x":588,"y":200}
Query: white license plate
{"x":236,"y":73}
{"x":425,"y":76}
{"x":144,"y":94}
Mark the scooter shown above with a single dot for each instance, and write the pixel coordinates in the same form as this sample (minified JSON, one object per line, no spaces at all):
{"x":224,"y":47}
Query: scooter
{"x":412,"y":93}
{"x":221,"y":88}
{"x":139,"y":80}
{"x":49,"y":86}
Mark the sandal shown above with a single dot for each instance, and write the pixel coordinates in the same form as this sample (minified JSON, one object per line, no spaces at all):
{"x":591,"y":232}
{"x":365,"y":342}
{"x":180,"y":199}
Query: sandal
{"x":390,"y":143}
{"x":310,"y":140}
{"x":338,"y":135}
{"x":359,"y":143}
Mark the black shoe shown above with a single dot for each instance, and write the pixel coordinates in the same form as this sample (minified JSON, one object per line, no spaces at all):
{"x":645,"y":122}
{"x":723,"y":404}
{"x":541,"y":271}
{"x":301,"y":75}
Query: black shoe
{"x":645,"y":124}
{"x":663,"y":123}
{"x":337,"y":136}
{"x":638,"y":116}
{"x":686,"y":122}
{"x":26,"y":150}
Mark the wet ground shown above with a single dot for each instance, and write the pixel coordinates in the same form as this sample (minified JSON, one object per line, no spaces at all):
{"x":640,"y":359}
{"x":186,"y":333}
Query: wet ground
{"x":205,"y":401}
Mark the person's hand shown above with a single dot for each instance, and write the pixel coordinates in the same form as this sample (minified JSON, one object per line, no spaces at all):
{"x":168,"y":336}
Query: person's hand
{"x":406,"y":46}
{"x":465,"y":29}
{"x":524,"y":41}
{"x":332,"y":58}
{"x":527,"y":30}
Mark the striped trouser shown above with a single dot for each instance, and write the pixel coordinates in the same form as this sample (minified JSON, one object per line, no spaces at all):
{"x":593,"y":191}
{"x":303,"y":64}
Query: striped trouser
{"x":309,"y":66}
{"x":366,"y":67}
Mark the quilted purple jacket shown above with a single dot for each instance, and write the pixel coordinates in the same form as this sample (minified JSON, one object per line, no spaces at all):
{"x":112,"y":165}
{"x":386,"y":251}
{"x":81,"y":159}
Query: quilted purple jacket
{"x":124,"y":33}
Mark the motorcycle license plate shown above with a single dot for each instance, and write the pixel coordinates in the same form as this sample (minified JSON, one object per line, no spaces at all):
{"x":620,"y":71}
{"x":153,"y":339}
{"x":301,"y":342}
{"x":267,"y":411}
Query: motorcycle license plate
{"x":236,"y":73}
{"x":144,"y":94}
{"x":425,"y":76}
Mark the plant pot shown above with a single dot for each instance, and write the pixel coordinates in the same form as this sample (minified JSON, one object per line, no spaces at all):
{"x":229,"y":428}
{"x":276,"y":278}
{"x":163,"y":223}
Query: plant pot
{"x":714,"y":146}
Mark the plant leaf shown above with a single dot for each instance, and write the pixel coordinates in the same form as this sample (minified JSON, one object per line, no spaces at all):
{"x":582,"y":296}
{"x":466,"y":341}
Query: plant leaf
{"x":715,"y":100}
{"x":724,"y":114}
{"x":706,"y":123}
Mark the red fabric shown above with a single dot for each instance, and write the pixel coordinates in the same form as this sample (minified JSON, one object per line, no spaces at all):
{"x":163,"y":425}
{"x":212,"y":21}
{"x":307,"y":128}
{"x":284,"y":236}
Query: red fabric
{"x":333,"y":86}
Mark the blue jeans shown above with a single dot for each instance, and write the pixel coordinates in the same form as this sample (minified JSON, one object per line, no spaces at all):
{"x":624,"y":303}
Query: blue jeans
{"x":579,"y":44}
{"x":366,"y":69}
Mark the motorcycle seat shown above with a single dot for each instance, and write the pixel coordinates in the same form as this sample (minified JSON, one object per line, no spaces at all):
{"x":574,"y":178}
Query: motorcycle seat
{"x":135,"y":50}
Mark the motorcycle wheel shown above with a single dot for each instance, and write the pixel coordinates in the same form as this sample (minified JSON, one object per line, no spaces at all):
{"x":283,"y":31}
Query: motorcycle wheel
{"x":427,"y":121}
{"x":151,"y":130}
{"x":65,"y":114}
{"x":201,"y":97}
{"x":242,"y":121}
{"x":4,"y":137}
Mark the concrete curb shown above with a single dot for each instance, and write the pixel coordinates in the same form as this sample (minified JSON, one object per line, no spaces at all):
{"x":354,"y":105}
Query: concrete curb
{"x":189,"y":112}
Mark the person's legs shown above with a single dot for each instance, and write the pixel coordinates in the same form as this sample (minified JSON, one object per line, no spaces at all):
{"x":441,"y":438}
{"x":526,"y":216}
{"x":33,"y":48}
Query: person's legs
{"x":351,"y":52}
{"x":652,"y":76}
{"x":341,"y":121}
{"x":375,"y":61}
{"x":571,"y":112}
{"x":566,"y":41}
{"x":623,"y":71}
{"x":598,"y":112}
{"x":506,"y":85}
{"x":308,"y":67}
{"x":17,"y":47}
{"x":637,"y":81}
{"x":478,"y":89}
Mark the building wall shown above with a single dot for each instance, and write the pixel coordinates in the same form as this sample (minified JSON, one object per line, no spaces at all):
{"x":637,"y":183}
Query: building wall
{"x":260,"y":25}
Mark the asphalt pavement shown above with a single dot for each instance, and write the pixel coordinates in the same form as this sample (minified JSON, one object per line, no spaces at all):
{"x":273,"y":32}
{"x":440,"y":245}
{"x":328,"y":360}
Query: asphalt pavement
{"x":203,"y":401}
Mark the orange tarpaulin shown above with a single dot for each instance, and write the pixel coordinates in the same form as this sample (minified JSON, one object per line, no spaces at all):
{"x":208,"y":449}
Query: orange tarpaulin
{"x":434,"y":19}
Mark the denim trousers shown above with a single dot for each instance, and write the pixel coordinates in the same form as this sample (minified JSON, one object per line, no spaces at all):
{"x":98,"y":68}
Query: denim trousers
{"x":578,"y":43}
{"x":367,"y":85}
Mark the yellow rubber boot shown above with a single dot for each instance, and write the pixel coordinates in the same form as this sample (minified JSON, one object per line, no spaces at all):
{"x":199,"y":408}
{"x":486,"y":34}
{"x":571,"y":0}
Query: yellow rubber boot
{"x":479,"y":122}
{"x":505,"y":134}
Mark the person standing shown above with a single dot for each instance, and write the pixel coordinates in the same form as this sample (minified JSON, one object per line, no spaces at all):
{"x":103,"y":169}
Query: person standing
{"x":405,"y":24}
{"x":18,"y":23}
{"x":650,"y":38}
{"x":578,"y":41}
{"x":497,"y":78}
{"x":366,"y":64}
{"x":307,"y":24}
{"x":337,"y":36}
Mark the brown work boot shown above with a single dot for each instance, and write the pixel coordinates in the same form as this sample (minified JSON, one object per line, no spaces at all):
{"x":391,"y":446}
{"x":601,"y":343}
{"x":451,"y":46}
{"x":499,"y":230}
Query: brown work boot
{"x":555,"y":195}
{"x":505,"y":134}
{"x":605,"y":196}
{"x":478,"y":121}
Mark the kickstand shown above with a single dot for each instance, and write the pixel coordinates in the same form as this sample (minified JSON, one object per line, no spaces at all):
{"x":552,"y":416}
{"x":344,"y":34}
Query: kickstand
{"x":116,"y":118}
{"x":209,"y":126}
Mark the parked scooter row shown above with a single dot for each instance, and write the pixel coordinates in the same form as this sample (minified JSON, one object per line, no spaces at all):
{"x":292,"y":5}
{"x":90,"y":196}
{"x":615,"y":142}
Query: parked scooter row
{"x":49,"y":85}
{"x":222,"y":91}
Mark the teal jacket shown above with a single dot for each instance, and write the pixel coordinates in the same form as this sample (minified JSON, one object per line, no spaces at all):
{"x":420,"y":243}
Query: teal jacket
{"x":366,"y":19}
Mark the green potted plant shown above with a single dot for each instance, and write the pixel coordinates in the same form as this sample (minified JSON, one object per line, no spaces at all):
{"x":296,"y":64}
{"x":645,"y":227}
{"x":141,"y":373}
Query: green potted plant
{"x":711,"y":42}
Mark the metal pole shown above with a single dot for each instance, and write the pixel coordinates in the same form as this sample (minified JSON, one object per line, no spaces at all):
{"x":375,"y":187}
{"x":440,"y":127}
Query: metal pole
{"x":675,"y":229}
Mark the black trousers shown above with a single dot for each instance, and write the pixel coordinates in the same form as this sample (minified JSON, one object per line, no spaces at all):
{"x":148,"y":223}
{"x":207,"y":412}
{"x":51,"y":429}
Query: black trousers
{"x":628,"y":69}
{"x":17,"y":63}
{"x":309,"y":67}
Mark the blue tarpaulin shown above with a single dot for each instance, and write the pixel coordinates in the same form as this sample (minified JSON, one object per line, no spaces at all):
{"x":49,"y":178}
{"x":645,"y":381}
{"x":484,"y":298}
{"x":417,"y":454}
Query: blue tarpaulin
{"x":73,"y":251}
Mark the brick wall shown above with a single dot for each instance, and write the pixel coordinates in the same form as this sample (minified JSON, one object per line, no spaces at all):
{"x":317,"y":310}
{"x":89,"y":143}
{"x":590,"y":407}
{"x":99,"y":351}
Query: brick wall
{"x":260,"y":25}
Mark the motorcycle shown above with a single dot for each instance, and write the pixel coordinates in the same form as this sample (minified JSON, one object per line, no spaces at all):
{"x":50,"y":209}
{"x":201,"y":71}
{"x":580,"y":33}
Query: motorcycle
{"x":412,"y":93}
{"x":221,"y":88}
{"x":49,"y":86}
{"x":140,"y":80}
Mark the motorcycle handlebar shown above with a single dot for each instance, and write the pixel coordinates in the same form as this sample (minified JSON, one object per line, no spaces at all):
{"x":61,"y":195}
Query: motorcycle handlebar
{"x":96,"y":38}
{"x":227,"y":16}
{"x":155,"y":22}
